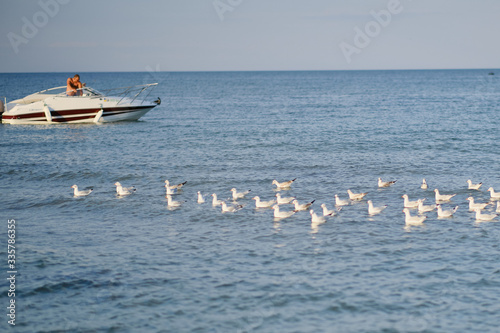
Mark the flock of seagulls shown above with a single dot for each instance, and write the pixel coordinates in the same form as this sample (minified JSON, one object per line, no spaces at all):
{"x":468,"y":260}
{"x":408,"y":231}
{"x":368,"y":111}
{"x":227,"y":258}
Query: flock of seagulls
{"x":280,"y":202}
{"x":444,"y":198}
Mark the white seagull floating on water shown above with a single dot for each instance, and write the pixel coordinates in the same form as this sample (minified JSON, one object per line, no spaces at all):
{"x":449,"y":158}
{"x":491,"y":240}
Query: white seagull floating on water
{"x":283,"y":185}
{"x":122,"y":191}
{"x":201,"y":199}
{"x":300,"y":207}
{"x":443,"y":197}
{"x":484,"y":217}
{"x":413,"y":220}
{"x":283,"y":200}
{"x":473,"y":186}
{"x":263,"y":204}
{"x":424,"y":208}
{"x":171,"y":203}
{"x":315,"y":218}
{"x":424,"y":185}
{"x":215,"y":201}
{"x":375,"y":210}
{"x":174,"y":187}
{"x":81,"y":193}
{"x":385,"y":184}
{"x":238,"y":195}
{"x":282,"y":214}
{"x":329,"y":212}
{"x":230,"y":209}
{"x":356,"y":196}
{"x":169,"y":190}
{"x":494,"y":195}
{"x":408,"y":203}
{"x":476,"y":205}
{"x":340,"y":202}
{"x":445,"y":213}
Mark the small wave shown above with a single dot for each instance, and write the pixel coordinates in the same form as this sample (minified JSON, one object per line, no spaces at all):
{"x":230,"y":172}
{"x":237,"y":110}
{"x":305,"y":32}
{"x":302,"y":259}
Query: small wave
{"x":58,"y":286}
{"x":50,"y":201}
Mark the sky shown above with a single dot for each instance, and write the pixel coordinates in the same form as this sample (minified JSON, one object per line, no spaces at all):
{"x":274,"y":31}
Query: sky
{"x":234,"y":35}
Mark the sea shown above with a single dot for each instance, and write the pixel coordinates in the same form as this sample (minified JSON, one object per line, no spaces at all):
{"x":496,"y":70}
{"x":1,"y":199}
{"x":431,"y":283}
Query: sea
{"x":105,"y":263}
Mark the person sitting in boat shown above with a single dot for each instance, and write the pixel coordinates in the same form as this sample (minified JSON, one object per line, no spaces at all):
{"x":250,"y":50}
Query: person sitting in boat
{"x":72,"y":86}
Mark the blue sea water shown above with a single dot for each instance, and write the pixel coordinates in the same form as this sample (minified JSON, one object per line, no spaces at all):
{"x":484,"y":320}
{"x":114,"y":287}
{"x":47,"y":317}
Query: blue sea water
{"x":108,"y":264}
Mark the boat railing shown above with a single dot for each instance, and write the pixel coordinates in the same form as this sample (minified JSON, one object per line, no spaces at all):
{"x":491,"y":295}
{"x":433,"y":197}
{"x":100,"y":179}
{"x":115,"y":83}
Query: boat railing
{"x":124,"y":94}
{"x":81,"y":92}
{"x":132,"y":93}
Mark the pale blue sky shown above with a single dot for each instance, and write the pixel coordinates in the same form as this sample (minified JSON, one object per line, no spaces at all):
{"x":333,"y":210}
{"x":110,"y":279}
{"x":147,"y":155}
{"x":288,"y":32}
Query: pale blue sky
{"x":213,"y":35}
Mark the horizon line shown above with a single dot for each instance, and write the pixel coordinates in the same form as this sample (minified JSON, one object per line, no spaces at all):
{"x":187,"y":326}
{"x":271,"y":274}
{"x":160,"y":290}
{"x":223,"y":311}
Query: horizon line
{"x":261,"y":70}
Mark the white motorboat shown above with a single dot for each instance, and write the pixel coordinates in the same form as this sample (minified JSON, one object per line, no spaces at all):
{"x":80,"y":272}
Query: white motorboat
{"x":86,"y":105}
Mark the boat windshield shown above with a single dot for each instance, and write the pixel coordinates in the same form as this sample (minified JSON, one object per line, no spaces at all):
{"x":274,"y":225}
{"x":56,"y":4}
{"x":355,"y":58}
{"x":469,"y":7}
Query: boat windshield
{"x":53,"y":91}
{"x":87,"y":91}
{"x":83,"y":92}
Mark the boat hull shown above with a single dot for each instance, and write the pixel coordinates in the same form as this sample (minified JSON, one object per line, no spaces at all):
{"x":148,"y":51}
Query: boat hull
{"x":79,"y":116}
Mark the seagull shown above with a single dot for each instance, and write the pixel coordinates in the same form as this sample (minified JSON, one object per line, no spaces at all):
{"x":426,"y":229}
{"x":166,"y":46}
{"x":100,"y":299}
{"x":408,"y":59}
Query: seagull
{"x":375,"y":210}
{"x":315,"y":218}
{"x":282,"y":215}
{"x":424,"y":208}
{"x":121,"y":191}
{"x":356,"y":196}
{"x":443,"y":197}
{"x":498,"y":207}
{"x":82,"y":193}
{"x":424,"y":185}
{"x":176,"y":187}
{"x":305,"y":206}
{"x":445,"y":213}
{"x":385,"y":184}
{"x":329,"y":212}
{"x":230,"y":209}
{"x":413,"y":220}
{"x":239,"y":195}
{"x":473,"y":205}
{"x":169,"y":190}
{"x":171,"y":203}
{"x":282,"y":201}
{"x":215,"y":201}
{"x":474,"y":186}
{"x":283,"y":185}
{"x":201,"y":199}
{"x":494,"y":195}
{"x":484,"y":217}
{"x":263,"y":204}
{"x":408,"y":203}
{"x":340,"y":202}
